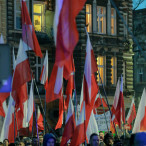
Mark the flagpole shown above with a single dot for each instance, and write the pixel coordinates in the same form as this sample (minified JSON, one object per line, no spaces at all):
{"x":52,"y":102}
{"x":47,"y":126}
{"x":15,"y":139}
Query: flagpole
{"x":107,"y":101}
{"x":36,"y":124}
{"x":104,"y":111}
{"x":43,"y":109}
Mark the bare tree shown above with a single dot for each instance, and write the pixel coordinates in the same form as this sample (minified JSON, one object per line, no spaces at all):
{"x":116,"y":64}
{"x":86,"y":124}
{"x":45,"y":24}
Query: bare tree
{"x":136,"y":3}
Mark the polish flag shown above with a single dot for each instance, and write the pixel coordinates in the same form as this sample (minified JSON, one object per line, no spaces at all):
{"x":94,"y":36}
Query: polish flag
{"x":29,"y":38}
{"x":65,"y":30}
{"x":44,"y":73}
{"x":70,"y":125}
{"x":2,"y":39}
{"x":54,"y":89}
{"x":3,"y":105}
{"x":99,"y":101}
{"x":140,"y":121}
{"x":60,"y":119}
{"x":132,"y":113}
{"x":69,"y":90}
{"x":8,"y":125}
{"x":40,"y":120}
{"x":92,"y":126}
{"x":89,"y":69}
{"x":30,"y":107}
{"x":22,"y":73}
{"x":116,"y":99}
{"x":79,"y":135}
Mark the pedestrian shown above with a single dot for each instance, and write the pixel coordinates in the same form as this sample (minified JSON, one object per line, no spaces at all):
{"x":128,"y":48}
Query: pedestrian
{"x":49,"y":140}
{"x":5,"y":142}
{"x":108,"y":139}
{"x":94,"y":140}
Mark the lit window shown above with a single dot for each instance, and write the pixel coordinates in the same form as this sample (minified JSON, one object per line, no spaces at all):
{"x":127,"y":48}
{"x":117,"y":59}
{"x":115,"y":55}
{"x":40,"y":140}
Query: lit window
{"x":125,"y":28}
{"x":18,"y":21}
{"x":113,"y":21}
{"x":38,"y":16}
{"x":114,"y":70}
{"x":89,"y":17}
{"x":101,"y":20}
{"x":101,"y":61}
{"x":38,"y":67}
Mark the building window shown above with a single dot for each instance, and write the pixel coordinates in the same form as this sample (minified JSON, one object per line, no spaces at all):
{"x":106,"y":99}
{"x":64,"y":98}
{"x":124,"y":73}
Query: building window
{"x":101,"y":61}
{"x":125,"y":28}
{"x":101,"y":20}
{"x":38,"y":67}
{"x":39,"y":16}
{"x":140,"y":74}
{"x":114,"y":70}
{"x":113,"y":21}
{"x":89,"y":17}
{"x":17,"y":10}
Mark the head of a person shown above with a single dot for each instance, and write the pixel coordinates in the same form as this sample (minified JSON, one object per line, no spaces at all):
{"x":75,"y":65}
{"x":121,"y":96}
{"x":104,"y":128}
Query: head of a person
{"x":101,"y":135}
{"x":1,"y":144}
{"x":94,"y":139}
{"x":5,"y":142}
{"x":21,"y":143}
{"x":49,"y":140}
{"x":108,"y":139}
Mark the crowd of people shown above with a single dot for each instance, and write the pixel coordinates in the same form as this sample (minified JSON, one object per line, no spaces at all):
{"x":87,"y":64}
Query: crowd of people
{"x":49,"y":139}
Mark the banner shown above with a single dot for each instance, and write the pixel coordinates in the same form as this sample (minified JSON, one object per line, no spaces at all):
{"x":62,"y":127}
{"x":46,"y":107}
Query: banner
{"x":101,"y":122}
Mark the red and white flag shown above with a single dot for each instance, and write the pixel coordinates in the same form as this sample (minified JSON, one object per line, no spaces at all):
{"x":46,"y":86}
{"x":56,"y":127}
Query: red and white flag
{"x":65,"y":30}
{"x":29,"y":38}
{"x":3,"y":105}
{"x":54,"y":88}
{"x":1,"y":39}
{"x":44,"y":73}
{"x":118,"y":109}
{"x":60,"y":118}
{"x":132,"y":113}
{"x":140,"y":121}
{"x":22,"y":73}
{"x":30,"y":107}
{"x":79,"y":135}
{"x":40,"y":120}
{"x":69,"y":125}
{"x":99,"y":101}
{"x":92,"y":126}
{"x":8,"y":125}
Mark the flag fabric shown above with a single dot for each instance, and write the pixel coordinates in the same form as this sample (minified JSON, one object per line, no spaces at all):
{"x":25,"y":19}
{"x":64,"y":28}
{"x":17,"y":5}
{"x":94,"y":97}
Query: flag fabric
{"x":120,"y":110}
{"x":1,"y":39}
{"x":54,"y":88}
{"x":92,"y":126}
{"x":65,"y":30}
{"x":140,"y":121}
{"x":3,"y":106}
{"x":29,"y":38}
{"x":40,"y":120}
{"x":69,"y":89}
{"x":44,"y":73}
{"x":22,"y":73}
{"x":69,"y":125}
{"x":99,"y":101}
{"x":132,"y":113}
{"x":60,"y":119}
{"x":79,"y":135}
{"x":30,"y":106}
{"x":8,"y":125}
{"x":89,"y":69}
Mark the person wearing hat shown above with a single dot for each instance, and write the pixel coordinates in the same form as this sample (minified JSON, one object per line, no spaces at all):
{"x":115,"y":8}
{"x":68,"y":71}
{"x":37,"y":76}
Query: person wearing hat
{"x":49,"y":140}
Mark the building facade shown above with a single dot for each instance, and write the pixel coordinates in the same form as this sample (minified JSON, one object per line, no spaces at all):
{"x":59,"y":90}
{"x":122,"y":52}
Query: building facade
{"x":112,"y":44}
{"x":139,"y":30}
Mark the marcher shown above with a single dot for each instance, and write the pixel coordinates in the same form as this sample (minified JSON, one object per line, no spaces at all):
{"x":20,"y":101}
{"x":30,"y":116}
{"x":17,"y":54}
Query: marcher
{"x":5,"y":142}
{"x":108,"y":139}
{"x":94,"y":140}
{"x":49,"y":140}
